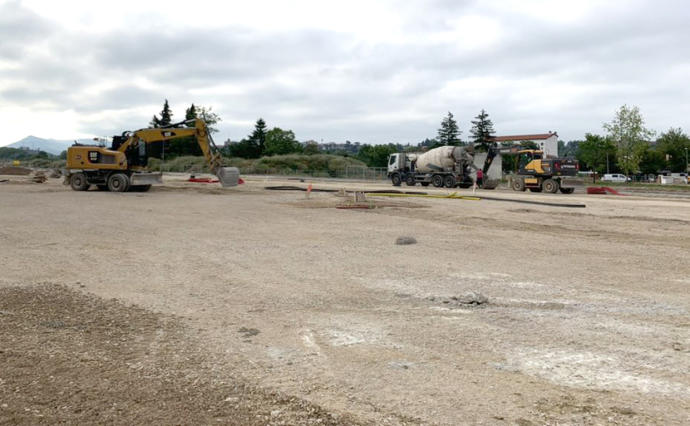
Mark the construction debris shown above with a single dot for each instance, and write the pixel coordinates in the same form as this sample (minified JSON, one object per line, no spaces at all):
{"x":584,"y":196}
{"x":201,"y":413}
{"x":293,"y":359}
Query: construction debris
{"x":471,"y":298}
{"x":14,"y":170}
{"x":404,"y":240}
{"x":39,"y":178}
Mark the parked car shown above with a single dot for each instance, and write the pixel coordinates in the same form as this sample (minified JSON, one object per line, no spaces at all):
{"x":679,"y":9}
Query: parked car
{"x":615,"y":177}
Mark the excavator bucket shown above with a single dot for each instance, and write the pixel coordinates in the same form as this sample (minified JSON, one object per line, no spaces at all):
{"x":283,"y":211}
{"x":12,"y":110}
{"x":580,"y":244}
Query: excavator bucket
{"x":146,"y":178}
{"x":228,"y":176}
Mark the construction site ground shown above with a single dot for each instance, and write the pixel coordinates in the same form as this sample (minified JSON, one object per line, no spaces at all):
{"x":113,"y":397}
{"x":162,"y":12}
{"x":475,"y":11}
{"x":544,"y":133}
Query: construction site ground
{"x":194,"y":304}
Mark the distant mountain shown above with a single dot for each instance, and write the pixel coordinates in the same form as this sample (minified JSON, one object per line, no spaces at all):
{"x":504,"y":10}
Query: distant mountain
{"x":51,"y":146}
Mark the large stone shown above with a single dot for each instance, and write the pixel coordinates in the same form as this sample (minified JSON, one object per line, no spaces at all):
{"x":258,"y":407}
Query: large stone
{"x":403,"y":241}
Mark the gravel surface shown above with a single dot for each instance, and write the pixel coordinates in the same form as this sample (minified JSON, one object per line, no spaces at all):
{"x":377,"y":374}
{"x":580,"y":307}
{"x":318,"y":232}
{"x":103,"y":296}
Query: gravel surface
{"x":501,"y":313}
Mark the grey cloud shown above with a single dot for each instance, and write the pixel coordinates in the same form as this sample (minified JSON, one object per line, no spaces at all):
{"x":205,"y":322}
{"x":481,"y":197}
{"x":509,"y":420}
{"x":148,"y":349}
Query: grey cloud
{"x":19,"y":26}
{"x":336,"y":83}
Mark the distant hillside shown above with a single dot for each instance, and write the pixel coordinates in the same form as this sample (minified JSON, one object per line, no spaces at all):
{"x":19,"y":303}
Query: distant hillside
{"x":51,"y":146}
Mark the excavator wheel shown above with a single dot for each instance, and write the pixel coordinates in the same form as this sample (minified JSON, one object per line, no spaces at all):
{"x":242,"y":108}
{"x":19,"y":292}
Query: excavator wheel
{"x":78,"y":182}
{"x":118,"y":182}
{"x":437,"y":181}
{"x":550,"y":186}
{"x":567,"y":190}
{"x":396,"y":179}
{"x":518,"y":184}
{"x":449,"y":181}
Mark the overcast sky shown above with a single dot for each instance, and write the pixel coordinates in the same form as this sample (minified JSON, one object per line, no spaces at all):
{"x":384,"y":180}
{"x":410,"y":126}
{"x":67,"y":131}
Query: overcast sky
{"x":369,"y":71}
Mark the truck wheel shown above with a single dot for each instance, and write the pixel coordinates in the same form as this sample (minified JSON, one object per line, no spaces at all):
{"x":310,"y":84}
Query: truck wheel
{"x":437,"y":181}
{"x":425,"y":183}
{"x":118,"y":182}
{"x":78,"y":182}
{"x":449,"y":181}
{"x":396,"y":179}
{"x":567,"y":190}
{"x":410,"y":181}
{"x":518,"y":184}
{"x":550,"y":186}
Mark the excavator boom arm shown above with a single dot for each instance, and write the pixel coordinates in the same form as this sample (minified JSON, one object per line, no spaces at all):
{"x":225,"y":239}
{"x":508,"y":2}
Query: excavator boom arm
{"x":228,"y":176}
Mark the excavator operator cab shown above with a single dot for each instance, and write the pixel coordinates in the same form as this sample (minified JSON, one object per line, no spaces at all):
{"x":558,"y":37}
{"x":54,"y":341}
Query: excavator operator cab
{"x":526,"y":159}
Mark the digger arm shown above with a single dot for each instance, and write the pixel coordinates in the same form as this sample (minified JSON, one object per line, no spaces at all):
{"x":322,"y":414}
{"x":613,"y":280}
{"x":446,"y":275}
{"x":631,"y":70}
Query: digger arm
{"x":228,"y":176}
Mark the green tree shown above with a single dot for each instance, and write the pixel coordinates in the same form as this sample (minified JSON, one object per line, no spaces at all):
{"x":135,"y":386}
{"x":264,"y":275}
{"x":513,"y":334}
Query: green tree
{"x":482,"y":129}
{"x":594,"y":152}
{"x":155,"y":122}
{"x":254,"y":145}
{"x":190,"y":113}
{"x":628,"y":133}
{"x":209,"y":117}
{"x":311,"y":148}
{"x":258,"y":136}
{"x":429,"y":144}
{"x":674,"y":145}
{"x":279,"y":141}
{"x":376,"y":155}
{"x":243,"y":149}
{"x":449,"y":133}
{"x":166,"y":117}
{"x":653,"y":161}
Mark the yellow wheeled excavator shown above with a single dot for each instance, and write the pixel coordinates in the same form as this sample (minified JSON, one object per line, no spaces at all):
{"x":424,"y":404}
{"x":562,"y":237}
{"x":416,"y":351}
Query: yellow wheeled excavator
{"x":537,"y":173}
{"x":122,"y":166}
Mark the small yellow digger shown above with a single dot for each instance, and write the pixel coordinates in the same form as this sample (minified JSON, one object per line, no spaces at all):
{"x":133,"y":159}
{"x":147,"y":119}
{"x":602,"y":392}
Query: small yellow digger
{"x":545,"y":174}
{"x":122,"y":166}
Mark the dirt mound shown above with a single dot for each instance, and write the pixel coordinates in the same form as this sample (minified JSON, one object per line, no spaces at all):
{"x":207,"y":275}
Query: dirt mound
{"x":14,"y":170}
{"x":74,"y":358}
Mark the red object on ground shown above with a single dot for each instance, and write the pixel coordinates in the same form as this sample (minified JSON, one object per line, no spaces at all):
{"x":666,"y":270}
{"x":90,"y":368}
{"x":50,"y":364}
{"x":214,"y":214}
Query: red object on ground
{"x":240,"y":181}
{"x":602,"y":190}
{"x":203,"y":180}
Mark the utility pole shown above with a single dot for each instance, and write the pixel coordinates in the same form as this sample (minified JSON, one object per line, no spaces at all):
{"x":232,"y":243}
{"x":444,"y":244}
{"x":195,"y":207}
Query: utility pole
{"x":687,"y":169}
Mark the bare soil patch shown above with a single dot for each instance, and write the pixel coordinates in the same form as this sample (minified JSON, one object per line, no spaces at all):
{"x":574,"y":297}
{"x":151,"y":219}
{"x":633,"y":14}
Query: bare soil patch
{"x":247,"y":302}
{"x":69,"y":357}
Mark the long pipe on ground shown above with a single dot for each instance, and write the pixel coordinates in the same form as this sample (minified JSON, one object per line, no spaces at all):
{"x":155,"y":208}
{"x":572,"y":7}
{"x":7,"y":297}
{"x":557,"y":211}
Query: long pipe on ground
{"x":395,"y":193}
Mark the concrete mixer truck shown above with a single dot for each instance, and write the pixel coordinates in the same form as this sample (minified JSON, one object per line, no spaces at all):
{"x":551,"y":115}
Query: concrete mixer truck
{"x":448,"y":166}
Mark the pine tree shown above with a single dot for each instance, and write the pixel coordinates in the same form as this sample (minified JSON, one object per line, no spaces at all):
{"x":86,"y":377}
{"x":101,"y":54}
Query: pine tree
{"x":190,"y":113}
{"x":166,"y":115}
{"x":155,"y":122}
{"x":482,"y":129}
{"x":258,"y":136}
{"x":449,"y":133}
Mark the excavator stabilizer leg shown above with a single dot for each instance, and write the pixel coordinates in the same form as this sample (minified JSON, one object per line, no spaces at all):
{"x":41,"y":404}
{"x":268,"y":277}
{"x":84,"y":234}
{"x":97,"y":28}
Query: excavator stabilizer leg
{"x":228,"y":176}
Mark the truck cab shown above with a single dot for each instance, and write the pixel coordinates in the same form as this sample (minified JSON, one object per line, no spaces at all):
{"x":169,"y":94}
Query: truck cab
{"x":399,"y":162}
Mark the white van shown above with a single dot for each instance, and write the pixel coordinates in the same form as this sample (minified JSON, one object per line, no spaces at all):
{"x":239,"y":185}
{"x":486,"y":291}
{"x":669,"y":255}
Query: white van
{"x":614,"y":177}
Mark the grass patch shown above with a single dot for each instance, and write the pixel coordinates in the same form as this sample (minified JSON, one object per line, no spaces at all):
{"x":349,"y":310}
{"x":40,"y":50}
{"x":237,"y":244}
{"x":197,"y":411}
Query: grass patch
{"x":291,"y":164}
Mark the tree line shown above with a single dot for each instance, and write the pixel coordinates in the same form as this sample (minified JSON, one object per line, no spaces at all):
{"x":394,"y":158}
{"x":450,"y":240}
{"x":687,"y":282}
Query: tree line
{"x":627,"y":145}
